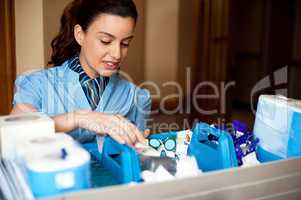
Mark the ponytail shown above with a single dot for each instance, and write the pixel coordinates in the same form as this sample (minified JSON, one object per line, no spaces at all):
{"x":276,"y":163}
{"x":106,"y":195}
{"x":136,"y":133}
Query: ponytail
{"x":83,"y":12}
{"x":64,"y":44}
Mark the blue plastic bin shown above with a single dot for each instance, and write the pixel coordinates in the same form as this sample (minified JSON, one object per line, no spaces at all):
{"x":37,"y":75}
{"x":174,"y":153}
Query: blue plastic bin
{"x":79,"y":181}
{"x":119,"y":163}
{"x":212,"y":148}
{"x":121,"y":160}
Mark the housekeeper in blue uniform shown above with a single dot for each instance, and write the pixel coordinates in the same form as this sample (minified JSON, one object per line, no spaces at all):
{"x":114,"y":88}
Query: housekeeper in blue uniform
{"x":83,"y":91}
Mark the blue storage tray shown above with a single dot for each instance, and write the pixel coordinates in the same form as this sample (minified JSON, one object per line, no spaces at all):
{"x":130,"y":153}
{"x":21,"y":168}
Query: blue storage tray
{"x":100,"y":177}
{"x":212,"y":148}
{"x":121,"y":160}
{"x":118,"y":164}
{"x":80,"y":175}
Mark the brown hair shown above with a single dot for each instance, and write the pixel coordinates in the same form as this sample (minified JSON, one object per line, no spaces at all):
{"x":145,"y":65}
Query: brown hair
{"x":83,"y":12}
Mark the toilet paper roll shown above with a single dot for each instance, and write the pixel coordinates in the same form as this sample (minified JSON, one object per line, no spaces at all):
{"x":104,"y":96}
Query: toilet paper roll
{"x":17,"y":130}
{"x":43,"y":144}
{"x":50,"y":154}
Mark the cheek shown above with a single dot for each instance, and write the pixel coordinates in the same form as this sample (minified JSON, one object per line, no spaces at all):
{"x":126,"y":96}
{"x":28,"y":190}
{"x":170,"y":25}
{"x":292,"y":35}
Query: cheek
{"x":96,"y":51}
{"x":124,"y":52}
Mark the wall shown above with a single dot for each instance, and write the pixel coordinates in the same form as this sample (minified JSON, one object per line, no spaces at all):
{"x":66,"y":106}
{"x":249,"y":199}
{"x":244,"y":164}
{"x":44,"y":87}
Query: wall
{"x":134,"y":63}
{"x":52,"y":11}
{"x":188,"y":42}
{"x":29,"y":35}
{"x":161,"y":44}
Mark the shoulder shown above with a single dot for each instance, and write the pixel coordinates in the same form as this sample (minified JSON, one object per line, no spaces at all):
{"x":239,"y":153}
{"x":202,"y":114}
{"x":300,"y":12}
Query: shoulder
{"x":42,"y":75}
{"x":32,"y":77}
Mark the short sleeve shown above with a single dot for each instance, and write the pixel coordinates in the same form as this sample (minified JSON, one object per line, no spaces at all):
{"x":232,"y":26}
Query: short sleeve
{"x":143,"y":105}
{"x":27,"y":91}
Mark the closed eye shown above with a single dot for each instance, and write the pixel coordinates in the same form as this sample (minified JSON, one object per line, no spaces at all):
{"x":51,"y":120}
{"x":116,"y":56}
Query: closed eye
{"x":105,"y":42}
{"x":125,"y":45}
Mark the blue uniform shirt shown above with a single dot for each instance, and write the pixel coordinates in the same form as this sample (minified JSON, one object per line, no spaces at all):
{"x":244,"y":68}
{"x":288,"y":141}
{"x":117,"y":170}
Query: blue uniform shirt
{"x":57,"y":90}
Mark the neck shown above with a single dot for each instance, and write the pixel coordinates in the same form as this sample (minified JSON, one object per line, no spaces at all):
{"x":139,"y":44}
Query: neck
{"x":87,"y":68}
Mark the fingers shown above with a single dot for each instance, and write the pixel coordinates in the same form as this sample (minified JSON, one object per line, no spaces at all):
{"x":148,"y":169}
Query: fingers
{"x":118,"y":133}
{"x":130,"y":131}
{"x":117,"y":138}
{"x":138,"y":135}
{"x":128,"y":140}
{"x":119,"y":128}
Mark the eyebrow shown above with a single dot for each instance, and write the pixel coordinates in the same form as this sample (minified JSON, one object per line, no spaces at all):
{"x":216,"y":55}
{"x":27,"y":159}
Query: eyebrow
{"x":112,"y":36}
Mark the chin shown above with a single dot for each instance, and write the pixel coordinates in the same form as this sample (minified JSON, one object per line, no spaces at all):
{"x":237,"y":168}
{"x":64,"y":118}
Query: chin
{"x":108,"y":73}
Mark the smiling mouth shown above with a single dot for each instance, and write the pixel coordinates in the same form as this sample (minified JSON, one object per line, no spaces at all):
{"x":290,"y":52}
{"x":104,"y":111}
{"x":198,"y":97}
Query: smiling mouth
{"x":111,"y":65}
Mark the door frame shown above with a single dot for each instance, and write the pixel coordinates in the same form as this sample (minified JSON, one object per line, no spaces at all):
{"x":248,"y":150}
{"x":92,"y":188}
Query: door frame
{"x":7,"y":55}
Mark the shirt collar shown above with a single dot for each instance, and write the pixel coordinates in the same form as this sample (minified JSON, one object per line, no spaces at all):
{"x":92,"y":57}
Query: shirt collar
{"x":75,"y":66}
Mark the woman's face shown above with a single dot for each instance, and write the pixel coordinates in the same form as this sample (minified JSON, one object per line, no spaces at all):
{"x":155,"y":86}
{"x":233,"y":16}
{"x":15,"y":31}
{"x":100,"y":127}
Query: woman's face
{"x":105,"y":44}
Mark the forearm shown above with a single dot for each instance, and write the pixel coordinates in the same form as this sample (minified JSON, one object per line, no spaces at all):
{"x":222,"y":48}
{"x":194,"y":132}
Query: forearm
{"x":116,"y":126}
{"x":63,"y":123}
{"x":66,"y":122}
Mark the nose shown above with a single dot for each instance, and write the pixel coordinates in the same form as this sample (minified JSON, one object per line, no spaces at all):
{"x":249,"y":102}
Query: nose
{"x":115,"y":51}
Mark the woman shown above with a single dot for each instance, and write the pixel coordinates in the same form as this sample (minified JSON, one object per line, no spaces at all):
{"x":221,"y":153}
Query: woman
{"x":83,"y":93}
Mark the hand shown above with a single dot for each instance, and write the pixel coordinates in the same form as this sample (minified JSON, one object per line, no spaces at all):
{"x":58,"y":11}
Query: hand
{"x":116,"y":126}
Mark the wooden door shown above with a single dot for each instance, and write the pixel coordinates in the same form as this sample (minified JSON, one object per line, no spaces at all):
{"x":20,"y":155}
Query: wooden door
{"x":7,"y":55}
{"x":262,"y":42}
{"x":212,"y":59}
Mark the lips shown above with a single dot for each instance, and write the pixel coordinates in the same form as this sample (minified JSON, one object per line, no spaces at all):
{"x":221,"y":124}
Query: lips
{"x":111,"y":65}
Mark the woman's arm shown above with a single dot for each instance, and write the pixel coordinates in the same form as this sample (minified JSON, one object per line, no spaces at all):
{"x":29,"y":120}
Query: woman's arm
{"x":116,"y":126}
{"x":63,"y":123}
{"x":23,"y":108}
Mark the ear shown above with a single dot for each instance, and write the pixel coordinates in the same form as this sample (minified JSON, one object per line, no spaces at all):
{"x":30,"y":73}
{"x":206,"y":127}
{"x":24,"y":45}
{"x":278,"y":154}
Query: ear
{"x":79,"y":34}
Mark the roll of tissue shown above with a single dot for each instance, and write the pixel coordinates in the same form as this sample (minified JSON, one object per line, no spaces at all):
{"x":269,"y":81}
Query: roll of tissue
{"x":16,"y":130}
{"x":58,"y":161}
{"x":47,"y":144}
{"x":277,"y":125}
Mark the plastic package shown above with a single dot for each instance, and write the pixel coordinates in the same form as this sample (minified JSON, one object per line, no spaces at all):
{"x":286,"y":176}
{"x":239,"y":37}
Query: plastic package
{"x":277,"y":126}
